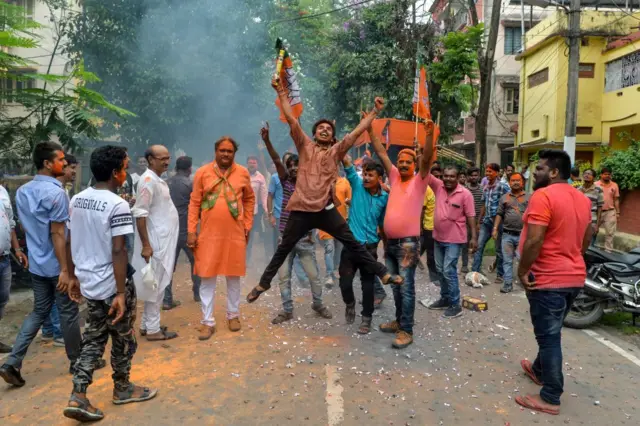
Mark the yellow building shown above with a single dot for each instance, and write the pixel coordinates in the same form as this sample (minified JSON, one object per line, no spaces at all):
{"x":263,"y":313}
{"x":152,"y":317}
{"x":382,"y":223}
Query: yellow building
{"x":608,"y":91}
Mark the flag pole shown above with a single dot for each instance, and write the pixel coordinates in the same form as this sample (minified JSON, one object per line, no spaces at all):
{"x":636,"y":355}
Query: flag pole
{"x":417,"y":111}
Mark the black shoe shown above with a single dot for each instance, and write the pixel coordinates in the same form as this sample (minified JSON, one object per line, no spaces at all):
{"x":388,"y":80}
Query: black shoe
{"x":439,"y":304}
{"x":11,"y":375}
{"x":453,"y":311}
{"x":196,"y":298}
{"x":506,"y":290}
{"x":5,"y":349}
{"x":350,"y":313}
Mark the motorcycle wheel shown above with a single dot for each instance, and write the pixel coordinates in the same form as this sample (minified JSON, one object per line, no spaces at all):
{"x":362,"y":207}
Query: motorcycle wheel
{"x":585,"y":311}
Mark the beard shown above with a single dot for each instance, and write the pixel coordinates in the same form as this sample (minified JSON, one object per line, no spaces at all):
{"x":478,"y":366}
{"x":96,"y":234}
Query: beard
{"x":541,"y":183}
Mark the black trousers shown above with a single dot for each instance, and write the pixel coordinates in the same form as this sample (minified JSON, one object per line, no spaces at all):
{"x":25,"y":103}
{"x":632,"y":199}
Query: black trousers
{"x":347,"y":270}
{"x":428,"y":244}
{"x":329,"y":221}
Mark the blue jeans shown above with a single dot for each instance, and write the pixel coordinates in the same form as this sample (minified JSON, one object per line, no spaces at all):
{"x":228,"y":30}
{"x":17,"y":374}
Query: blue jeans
{"x":447,"y":255}
{"x":304,"y":250}
{"x":329,"y":257}
{"x":5,"y":283}
{"x":44,"y":294}
{"x":401,"y":258}
{"x":486,"y":228}
{"x":548,"y":310}
{"x":509,"y":252}
{"x":51,"y":325}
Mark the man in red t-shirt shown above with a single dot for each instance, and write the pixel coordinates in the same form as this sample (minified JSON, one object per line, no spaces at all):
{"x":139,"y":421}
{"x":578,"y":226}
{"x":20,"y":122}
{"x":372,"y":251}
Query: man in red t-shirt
{"x":555,"y":236}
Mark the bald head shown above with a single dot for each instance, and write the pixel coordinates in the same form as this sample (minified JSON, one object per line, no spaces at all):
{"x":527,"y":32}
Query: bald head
{"x":158,"y":158}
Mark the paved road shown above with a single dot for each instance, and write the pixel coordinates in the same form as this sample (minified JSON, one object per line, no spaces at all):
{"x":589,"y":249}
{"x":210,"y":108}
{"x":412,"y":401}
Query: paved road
{"x":318,"y":372}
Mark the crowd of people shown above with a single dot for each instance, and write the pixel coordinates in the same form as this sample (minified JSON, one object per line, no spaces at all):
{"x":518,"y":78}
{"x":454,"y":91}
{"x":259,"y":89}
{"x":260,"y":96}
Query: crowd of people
{"x":118,"y":241}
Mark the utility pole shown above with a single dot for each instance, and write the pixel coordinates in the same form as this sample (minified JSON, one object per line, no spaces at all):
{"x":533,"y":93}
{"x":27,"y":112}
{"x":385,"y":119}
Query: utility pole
{"x":571,"y":117}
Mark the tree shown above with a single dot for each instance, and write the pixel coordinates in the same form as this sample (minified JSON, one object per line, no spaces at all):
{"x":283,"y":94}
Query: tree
{"x":64,"y":107}
{"x":486,"y":55}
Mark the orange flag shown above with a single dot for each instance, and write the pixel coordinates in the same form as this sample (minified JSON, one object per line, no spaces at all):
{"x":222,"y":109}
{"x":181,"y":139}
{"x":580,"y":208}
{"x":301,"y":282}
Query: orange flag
{"x":289,"y":81}
{"x":421,"y":106}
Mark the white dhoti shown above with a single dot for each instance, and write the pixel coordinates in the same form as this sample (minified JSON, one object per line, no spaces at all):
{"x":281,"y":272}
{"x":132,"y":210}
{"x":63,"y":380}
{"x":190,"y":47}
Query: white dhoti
{"x":208,"y":297}
{"x":153,"y":202}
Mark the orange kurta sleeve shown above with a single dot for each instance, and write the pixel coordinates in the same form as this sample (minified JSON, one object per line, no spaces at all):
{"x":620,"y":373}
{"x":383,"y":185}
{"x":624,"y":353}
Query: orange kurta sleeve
{"x":248,"y":201}
{"x":195,"y":201}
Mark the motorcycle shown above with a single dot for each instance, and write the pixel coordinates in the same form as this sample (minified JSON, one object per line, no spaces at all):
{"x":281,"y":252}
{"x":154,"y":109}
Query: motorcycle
{"x":612,"y":284}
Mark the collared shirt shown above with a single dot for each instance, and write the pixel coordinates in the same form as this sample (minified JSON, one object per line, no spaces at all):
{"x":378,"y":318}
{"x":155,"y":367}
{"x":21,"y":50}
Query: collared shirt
{"x":275,"y":190}
{"x":452,"y":211}
{"x":367,"y":211}
{"x":491,"y":195}
{"x":405,"y":205}
{"x":259,"y":186}
{"x":511,"y":209}
{"x":7,"y":223}
{"x":429,"y":209}
{"x":317,"y":172}
{"x":39,"y":203}
{"x":611,"y":192}
{"x":596,"y":195}
{"x":180,"y":187}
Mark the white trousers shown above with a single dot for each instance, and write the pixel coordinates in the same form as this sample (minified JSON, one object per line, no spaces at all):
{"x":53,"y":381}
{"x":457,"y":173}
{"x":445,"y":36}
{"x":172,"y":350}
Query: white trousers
{"x":151,"y":315}
{"x":208,"y":298}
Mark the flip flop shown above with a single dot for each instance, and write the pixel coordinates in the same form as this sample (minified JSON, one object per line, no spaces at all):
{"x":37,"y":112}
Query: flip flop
{"x":528,"y":370}
{"x":254,"y":294}
{"x":81,"y":413}
{"x":166,"y":335}
{"x":527,"y":402}
{"x":126,"y":397}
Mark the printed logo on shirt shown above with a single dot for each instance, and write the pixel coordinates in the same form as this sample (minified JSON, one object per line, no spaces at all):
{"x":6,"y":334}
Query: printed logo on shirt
{"x":89,"y":204}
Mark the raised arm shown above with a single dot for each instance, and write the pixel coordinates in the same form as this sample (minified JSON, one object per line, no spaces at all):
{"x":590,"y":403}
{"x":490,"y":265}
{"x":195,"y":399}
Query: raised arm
{"x":297,"y":134}
{"x":426,"y":160}
{"x":348,"y":141}
{"x":280,"y":168}
{"x":378,"y":148}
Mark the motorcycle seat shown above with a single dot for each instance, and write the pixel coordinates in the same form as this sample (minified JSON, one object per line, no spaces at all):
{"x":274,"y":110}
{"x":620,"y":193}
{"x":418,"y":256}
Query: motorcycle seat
{"x":631,"y":259}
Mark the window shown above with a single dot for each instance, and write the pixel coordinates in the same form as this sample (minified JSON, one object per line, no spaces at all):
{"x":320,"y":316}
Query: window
{"x":512,"y":40}
{"x":586,"y":70}
{"x":535,"y":133}
{"x":584,"y":130}
{"x":9,"y":86}
{"x":511,"y":100}
{"x":27,"y":5}
{"x":537,"y":78}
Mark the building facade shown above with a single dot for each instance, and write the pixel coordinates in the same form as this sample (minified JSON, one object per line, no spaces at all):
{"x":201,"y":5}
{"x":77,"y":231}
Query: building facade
{"x":608,"y":89}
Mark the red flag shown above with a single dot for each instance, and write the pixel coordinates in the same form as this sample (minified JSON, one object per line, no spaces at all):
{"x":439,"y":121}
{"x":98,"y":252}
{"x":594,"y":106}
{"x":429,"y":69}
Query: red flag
{"x":421,"y":106}
{"x":289,"y":82}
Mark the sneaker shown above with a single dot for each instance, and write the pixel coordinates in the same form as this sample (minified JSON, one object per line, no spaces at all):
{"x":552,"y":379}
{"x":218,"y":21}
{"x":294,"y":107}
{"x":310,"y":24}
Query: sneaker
{"x":439,"y":304}
{"x":59,"y":342}
{"x":464,"y":270}
{"x":453,"y":311}
{"x":323,"y":312}
{"x":426,"y":302}
{"x":499,"y":280}
{"x":206,"y":331}
{"x":282,"y":317}
{"x":46,"y":337}
{"x":234,"y":324}
{"x":5,"y":349}
{"x":402,"y":340}
{"x":390,"y":327}
{"x":350,"y":313}
{"x":196,"y":297}
{"x":506,"y":289}
{"x":11,"y":375}
{"x":328,"y":282}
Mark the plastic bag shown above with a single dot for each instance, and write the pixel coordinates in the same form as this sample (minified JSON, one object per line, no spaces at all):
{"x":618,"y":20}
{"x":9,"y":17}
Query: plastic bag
{"x":476,"y":280}
{"x":148,"y":278}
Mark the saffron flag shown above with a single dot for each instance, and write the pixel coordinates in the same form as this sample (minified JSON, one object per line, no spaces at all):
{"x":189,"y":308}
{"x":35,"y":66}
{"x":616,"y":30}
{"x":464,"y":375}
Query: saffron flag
{"x":421,"y":106}
{"x":289,"y":82}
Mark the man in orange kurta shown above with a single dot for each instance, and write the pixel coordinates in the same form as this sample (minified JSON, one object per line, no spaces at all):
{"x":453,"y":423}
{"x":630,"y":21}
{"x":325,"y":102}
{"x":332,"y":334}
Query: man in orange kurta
{"x":223,"y":201}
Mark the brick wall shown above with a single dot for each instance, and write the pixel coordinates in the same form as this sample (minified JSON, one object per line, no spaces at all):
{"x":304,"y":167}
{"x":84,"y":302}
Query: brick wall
{"x":629,"y":212}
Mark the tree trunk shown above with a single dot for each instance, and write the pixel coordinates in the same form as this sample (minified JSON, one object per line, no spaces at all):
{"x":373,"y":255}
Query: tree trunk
{"x":485,"y":66}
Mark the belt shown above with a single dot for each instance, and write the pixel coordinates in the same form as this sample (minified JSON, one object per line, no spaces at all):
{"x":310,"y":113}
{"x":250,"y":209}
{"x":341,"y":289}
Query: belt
{"x":404,"y":240}
{"x":608,"y":210}
{"x":506,"y":231}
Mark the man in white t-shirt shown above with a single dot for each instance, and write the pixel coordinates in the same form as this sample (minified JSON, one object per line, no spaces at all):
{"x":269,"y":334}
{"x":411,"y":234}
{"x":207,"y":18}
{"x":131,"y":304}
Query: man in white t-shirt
{"x":99,"y":220}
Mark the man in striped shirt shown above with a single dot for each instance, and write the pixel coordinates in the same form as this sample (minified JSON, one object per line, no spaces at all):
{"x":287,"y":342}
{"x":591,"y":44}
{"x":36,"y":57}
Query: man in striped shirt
{"x":473,"y":176}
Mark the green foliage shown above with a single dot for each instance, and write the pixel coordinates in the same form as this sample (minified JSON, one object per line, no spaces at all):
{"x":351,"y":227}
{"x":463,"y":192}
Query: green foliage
{"x":62,"y":108}
{"x":624,"y":164}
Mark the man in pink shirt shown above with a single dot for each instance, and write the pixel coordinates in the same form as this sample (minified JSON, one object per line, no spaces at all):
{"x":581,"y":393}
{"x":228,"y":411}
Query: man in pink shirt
{"x":402,"y":230}
{"x":555,"y":236}
{"x":455,"y":214}
{"x":259,"y":186}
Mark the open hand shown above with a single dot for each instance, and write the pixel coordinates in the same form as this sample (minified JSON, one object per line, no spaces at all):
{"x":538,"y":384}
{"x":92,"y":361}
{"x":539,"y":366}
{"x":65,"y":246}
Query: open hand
{"x":63,"y":282}
{"x":73,"y":290}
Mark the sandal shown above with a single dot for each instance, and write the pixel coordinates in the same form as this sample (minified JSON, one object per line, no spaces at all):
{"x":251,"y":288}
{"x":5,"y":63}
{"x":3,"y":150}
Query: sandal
{"x":528,"y":370}
{"x":126,"y":396}
{"x":393,"y":279}
{"x":166,"y":335}
{"x":378,"y":302}
{"x":144,"y":332}
{"x":254,"y":294}
{"x":81,"y":413}
{"x":365,"y":326}
{"x":528,"y":402}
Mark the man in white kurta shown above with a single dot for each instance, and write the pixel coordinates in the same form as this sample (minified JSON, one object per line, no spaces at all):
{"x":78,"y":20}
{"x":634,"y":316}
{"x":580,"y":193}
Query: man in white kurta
{"x":156,"y":239}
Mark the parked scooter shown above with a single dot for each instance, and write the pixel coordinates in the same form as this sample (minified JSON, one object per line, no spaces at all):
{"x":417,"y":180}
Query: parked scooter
{"x":612,"y":284}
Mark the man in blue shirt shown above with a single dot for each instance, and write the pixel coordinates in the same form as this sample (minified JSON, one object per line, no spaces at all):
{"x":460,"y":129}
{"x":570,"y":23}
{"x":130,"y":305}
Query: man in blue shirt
{"x":43,"y":209}
{"x":366,"y":215}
